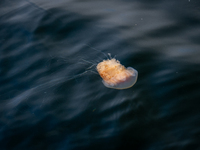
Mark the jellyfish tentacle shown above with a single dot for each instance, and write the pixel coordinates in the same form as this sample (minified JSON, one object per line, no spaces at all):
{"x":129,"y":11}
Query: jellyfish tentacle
{"x":109,"y":54}
{"x":96,"y":50}
{"x":90,"y":67}
{"x":86,"y":61}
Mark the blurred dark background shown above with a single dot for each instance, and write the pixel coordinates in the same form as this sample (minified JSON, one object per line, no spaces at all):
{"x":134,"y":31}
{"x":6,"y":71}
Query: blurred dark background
{"x":47,"y":101}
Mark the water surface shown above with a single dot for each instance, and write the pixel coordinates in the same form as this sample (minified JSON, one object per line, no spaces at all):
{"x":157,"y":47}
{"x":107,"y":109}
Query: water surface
{"x":49,"y":102}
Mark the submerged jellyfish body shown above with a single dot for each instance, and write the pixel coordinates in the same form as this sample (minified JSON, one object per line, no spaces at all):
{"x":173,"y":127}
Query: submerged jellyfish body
{"x":115,"y":75}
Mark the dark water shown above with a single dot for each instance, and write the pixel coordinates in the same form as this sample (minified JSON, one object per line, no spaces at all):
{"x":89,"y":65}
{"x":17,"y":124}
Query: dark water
{"x":47,"y":101}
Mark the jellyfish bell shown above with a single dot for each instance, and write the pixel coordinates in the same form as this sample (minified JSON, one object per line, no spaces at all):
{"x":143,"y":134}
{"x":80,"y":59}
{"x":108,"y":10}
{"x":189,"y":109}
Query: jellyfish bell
{"x":115,"y":75}
{"x":128,"y":81}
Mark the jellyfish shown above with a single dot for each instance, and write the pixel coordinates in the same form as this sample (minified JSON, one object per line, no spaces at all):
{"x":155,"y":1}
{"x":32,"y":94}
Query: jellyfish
{"x":115,"y":75}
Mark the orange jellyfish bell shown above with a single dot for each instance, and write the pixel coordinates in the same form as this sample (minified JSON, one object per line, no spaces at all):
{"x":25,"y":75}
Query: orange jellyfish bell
{"x":115,"y":75}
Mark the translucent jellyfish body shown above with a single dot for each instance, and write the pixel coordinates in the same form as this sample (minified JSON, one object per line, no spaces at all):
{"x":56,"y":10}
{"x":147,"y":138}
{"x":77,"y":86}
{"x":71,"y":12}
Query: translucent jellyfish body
{"x":115,"y":75}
